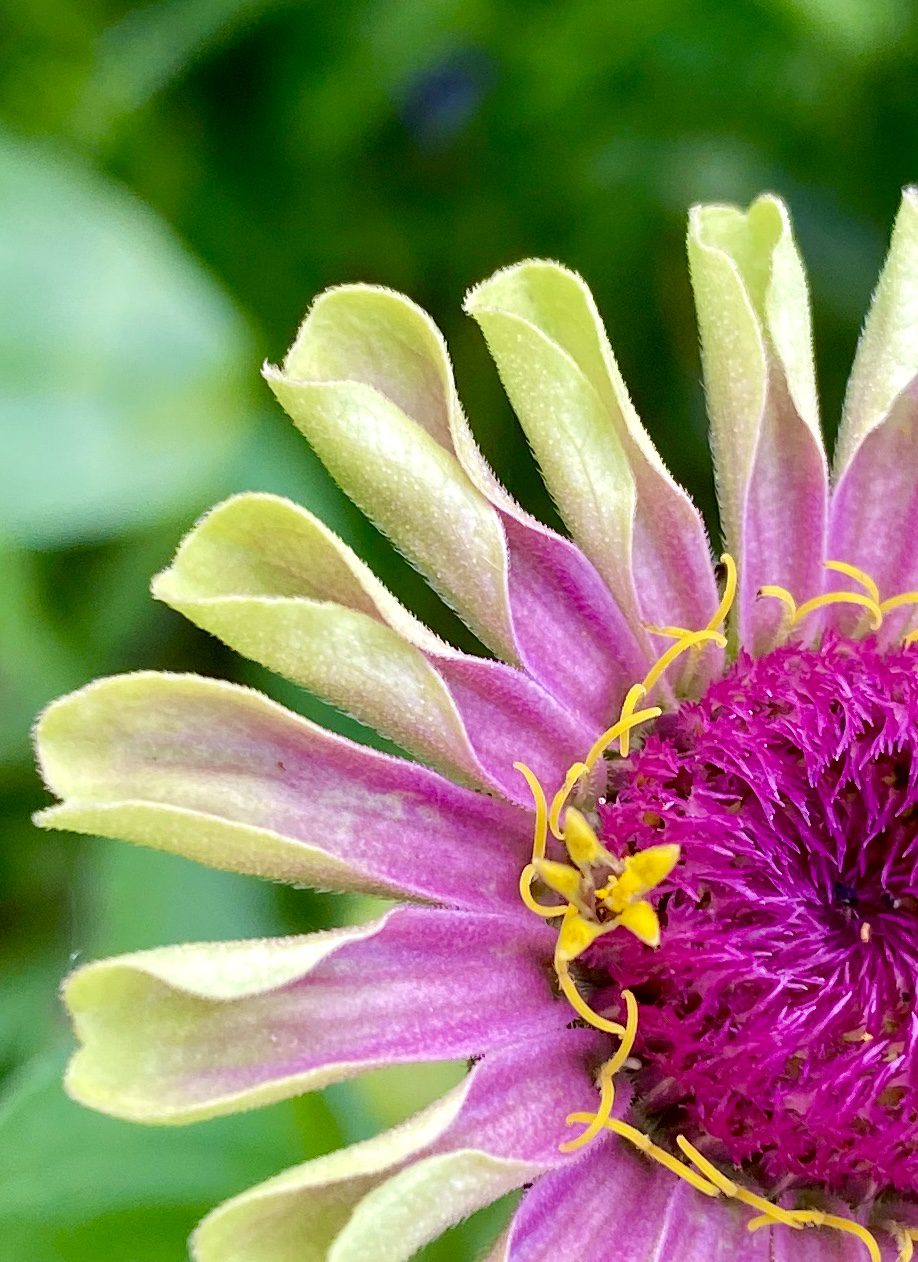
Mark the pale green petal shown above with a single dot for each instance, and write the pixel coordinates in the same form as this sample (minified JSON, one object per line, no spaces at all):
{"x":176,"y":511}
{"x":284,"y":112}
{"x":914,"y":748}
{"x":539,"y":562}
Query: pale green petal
{"x":274,"y":583}
{"x":613,"y":490}
{"x":369,"y":1201}
{"x":368,"y":382}
{"x":887,"y":355}
{"x":119,"y":1069}
{"x":753,"y":308}
{"x":769,"y":463}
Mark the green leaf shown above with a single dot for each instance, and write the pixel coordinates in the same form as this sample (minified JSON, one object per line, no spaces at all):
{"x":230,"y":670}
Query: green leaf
{"x":126,"y":372}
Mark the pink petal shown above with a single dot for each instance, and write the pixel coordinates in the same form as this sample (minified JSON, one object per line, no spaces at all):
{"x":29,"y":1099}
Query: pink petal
{"x":618,"y":1205}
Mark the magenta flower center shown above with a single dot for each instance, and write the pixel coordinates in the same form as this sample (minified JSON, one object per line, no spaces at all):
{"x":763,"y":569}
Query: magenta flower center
{"x":778,"y":1017}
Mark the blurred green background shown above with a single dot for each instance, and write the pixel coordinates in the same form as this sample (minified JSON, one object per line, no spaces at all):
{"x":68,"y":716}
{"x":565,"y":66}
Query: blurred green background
{"x":177,"y":180}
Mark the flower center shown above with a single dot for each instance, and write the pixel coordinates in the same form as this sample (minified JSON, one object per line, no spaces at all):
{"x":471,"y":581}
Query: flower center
{"x":778,"y":1018}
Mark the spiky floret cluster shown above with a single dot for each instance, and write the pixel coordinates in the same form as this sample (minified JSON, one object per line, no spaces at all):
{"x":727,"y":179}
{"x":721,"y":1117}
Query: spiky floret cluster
{"x":779,"y":1017}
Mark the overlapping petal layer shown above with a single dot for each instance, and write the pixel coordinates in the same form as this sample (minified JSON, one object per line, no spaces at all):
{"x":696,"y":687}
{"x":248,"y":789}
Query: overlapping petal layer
{"x":271,"y":581}
{"x":385,"y":1198}
{"x":406,"y":456}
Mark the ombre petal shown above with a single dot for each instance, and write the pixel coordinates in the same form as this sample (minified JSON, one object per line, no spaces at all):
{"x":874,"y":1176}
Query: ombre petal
{"x":369,"y":382}
{"x":182,"y":1033}
{"x":876,"y":465}
{"x":385,"y":1198}
{"x":274,"y":583}
{"x":223,"y":775}
{"x":771,"y":470}
{"x":617,"y":1204}
{"x":638,"y":527}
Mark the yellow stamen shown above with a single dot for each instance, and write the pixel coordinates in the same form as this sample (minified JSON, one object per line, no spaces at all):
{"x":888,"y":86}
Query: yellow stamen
{"x":558,"y":801}
{"x":540,"y":909}
{"x":733,"y":1190}
{"x":671,"y":633}
{"x":602,"y":1115}
{"x":643,"y":872}
{"x":896,"y":602}
{"x":841,"y":598}
{"x":859,"y":576}
{"x":675,"y":650}
{"x":782,"y":594}
{"x":641,"y":920}
{"x":539,"y":836}
{"x":816,"y":1218}
{"x":904,"y":1237}
{"x":580,"y":1005}
{"x":911,"y":638}
{"x":620,"y":725}
{"x":726,"y":603}
{"x":646,"y":1145}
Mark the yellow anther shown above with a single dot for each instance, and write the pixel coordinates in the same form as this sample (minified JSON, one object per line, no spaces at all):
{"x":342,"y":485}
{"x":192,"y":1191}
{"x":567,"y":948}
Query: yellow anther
{"x":561,"y":878}
{"x":816,"y":1218}
{"x":539,"y":837}
{"x":558,"y":802}
{"x":841,"y":598}
{"x":602,"y":1115}
{"x":581,"y":841}
{"x":576,"y":935}
{"x":773,"y":1212}
{"x":618,"y":727}
{"x":641,"y":920}
{"x":540,"y":909}
{"x":726,"y":602}
{"x":859,"y":576}
{"x":675,"y":650}
{"x":782,"y":594}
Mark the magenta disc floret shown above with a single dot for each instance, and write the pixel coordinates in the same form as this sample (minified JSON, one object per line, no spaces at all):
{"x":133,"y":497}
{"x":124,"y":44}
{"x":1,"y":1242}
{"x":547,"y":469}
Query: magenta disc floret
{"x":779,"y":1017}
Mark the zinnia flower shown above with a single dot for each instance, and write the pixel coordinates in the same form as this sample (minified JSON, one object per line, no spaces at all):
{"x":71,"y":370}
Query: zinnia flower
{"x":659,"y":853}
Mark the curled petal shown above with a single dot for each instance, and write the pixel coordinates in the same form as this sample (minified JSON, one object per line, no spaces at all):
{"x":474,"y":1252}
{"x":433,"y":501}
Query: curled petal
{"x":876,"y":465}
{"x":273,"y":582}
{"x":369,"y":382}
{"x":183,"y":1033}
{"x":220,"y":774}
{"x":772,"y":480}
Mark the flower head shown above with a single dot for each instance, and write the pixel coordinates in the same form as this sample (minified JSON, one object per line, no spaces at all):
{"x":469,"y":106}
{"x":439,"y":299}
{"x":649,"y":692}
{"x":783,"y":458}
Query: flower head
{"x":658,"y":853}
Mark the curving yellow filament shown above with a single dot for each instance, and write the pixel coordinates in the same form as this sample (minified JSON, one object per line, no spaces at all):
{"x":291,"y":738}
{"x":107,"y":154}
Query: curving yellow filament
{"x":904,"y":1237}
{"x":896,"y":602}
{"x":646,"y":1145}
{"x":782,"y":594}
{"x":841,"y":598}
{"x":540,"y":833}
{"x":676,"y":650}
{"x":580,"y":1005}
{"x":859,"y":576}
{"x":621,"y":725}
{"x":574,"y":774}
{"x":737,"y":1193}
{"x":539,"y":909}
{"x":602,"y":1114}
{"x":816,"y":1218}
{"x":726,"y":602}
{"x":670,"y":633}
